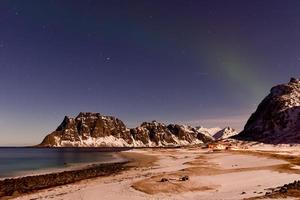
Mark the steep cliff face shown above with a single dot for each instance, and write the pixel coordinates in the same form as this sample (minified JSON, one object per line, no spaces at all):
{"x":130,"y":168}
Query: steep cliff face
{"x":89,"y":129}
{"x":277,"y":118}
{"x":155,"y":134}
{"x":95,"y":130}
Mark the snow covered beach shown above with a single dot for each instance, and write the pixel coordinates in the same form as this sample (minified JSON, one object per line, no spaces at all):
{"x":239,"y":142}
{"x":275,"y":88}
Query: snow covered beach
{"x":212,"y":174}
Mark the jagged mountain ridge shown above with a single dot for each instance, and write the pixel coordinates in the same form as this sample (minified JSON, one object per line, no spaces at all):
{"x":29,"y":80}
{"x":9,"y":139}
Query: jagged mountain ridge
{"x":217,"y":133}
{"x":209,"y":132}
{"x":225,"y":133}
{"x":277,"y":118}
{"x":95,"y":130}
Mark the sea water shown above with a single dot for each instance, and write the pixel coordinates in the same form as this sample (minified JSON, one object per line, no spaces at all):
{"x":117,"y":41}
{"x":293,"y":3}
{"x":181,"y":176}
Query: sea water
{"x":18,"y":161}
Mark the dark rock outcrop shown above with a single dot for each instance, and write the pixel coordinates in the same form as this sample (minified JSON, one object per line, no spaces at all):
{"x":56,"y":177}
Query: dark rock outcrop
{"x":156,"y":133}
{"x":277,"y":118}
{"x":13,"y":186}
{"x":283,"y":192}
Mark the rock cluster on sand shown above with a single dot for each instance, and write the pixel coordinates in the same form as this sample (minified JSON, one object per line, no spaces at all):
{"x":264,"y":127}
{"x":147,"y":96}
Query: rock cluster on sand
{"x":277,"y":118}
{"x":15,"y":186}
{"x":96,"y":130}
{"x":285,"y":190}
{"x":183,"y":178}
{"x":291,"y":186}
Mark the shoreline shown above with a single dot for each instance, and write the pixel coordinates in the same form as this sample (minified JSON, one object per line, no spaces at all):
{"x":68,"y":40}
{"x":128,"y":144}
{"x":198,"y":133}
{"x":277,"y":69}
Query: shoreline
{"x":118,"y":158}
{"x":208,"y":172}
{"x":16,"y":186}
{"x":13,"y":187}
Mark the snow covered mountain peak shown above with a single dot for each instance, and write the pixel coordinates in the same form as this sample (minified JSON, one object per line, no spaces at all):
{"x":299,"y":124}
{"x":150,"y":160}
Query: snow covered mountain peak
{"x":225,"y":133}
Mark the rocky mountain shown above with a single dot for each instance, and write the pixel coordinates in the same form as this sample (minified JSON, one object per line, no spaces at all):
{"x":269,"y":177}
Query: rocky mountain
{"x":209,"y":132}
{"x":225,"y":133}
{"x":277,"y":118}
{"x":89,"y":129}
{"x":217,"y":133}
{"x":95,"y":130}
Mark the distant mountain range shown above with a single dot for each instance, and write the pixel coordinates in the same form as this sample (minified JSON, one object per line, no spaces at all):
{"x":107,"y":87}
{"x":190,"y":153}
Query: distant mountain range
{"x":277,"y":118}
{"x":96,"y":130}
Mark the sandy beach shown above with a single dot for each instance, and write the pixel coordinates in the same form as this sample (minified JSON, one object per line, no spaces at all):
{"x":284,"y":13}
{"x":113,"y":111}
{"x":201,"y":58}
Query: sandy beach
{"x":211,"y":174}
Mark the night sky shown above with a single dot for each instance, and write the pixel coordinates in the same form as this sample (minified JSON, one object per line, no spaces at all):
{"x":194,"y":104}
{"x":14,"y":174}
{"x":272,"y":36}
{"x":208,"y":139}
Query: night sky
{"x":198,"y":62}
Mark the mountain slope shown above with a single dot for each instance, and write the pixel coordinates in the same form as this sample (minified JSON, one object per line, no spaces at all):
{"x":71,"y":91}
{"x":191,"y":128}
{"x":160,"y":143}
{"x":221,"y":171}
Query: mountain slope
{"x":225,"y":133}
{"x":209,"y":132}
{"x":277,"y":118}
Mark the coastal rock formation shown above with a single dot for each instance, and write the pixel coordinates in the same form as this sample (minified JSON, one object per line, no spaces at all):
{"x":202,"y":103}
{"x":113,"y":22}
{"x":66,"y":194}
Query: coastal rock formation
{"x":95,"y":130}
{"x":89,"y":129}
{"x":26,"y":184}
{"x":277,"y":118}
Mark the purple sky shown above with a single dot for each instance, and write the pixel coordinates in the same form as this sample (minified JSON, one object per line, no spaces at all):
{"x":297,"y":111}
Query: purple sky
{"x":206,"y":62}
